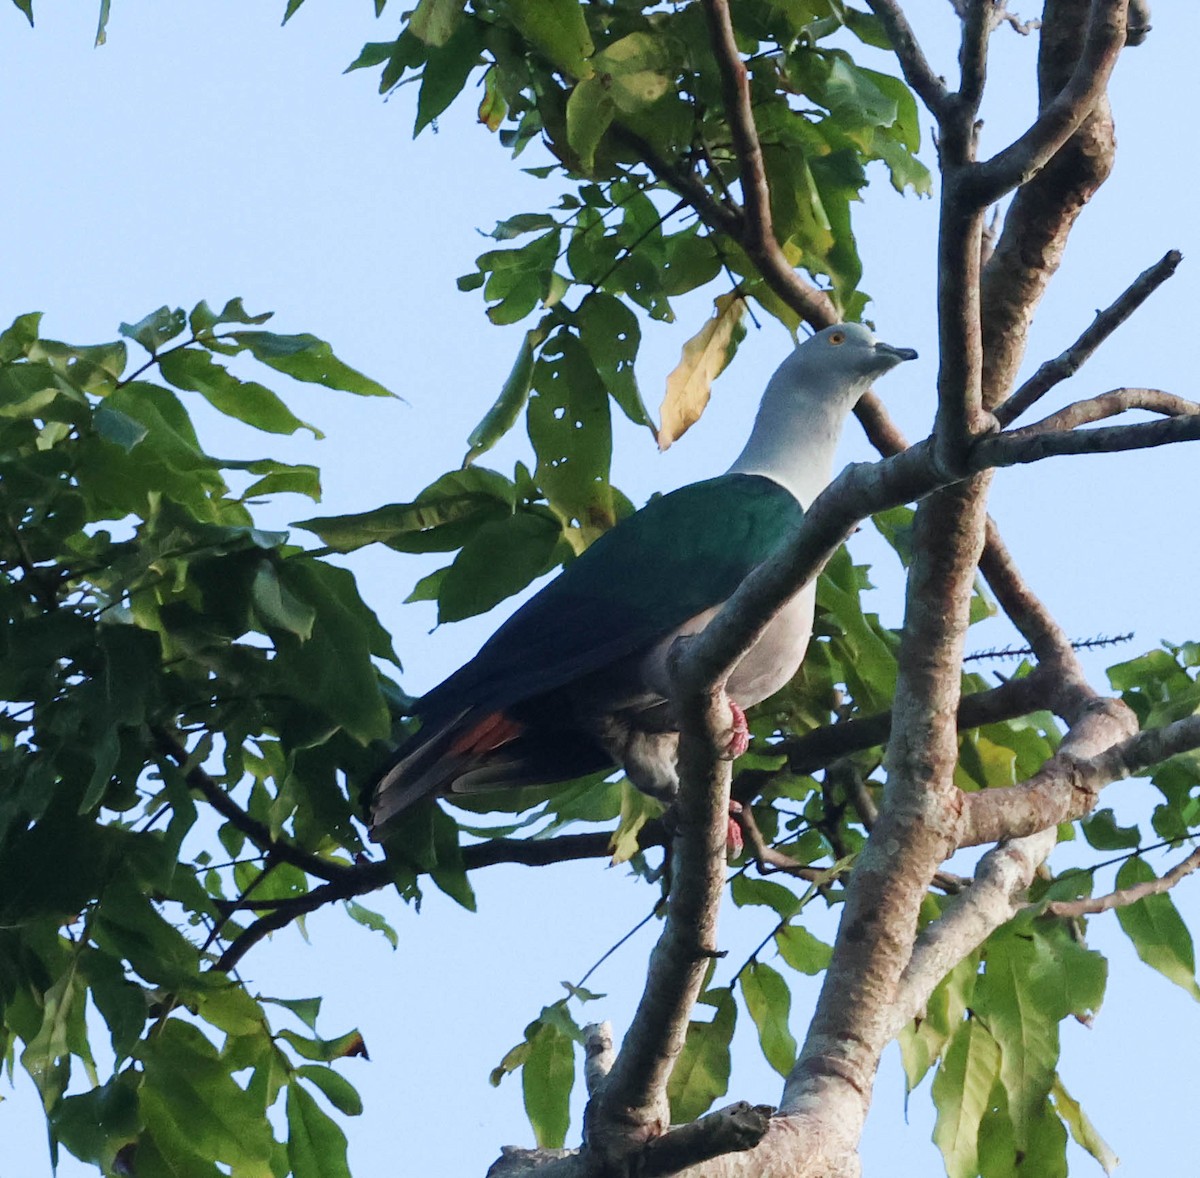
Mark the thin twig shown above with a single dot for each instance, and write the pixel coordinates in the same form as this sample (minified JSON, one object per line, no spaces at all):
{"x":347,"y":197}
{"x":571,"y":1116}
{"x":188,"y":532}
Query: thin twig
{"x":1111,"y":404}
{"x":1123,"y":897}
{"x":257,"y":832}
{"x":1053,"y":372}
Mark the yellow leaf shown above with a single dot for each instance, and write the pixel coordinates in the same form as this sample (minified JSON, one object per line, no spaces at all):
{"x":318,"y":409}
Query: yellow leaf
{"x":703,"y":360}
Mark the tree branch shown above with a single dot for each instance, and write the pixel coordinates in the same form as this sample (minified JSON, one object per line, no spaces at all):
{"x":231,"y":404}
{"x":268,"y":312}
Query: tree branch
{"x":257,"y":832}
{"x":1066,"y":786}
{"x":1015,"y":697}
{"x":1123,"y":897}
{"x":1020,"y":447}
{"x":918,"y":73}
{"x":631,"y":1107}
{"x":1053,"y":372}
{"x":1058,"y":121}
{"x":1040,"y":218}
{"x":756,"y":234}
{"x":978,"y":23}
{"x":994,"y":897}
{"x":1110,"y":405}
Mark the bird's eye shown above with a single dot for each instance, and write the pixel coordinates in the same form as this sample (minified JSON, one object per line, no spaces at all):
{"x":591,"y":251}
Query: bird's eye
{"x":838,"y":337}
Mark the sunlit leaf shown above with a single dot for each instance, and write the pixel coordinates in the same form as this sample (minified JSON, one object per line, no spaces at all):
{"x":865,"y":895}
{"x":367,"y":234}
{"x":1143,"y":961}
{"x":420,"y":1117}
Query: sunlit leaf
{"x":701,"y":1072}
{"x":769,"y":1001}
{"x":1156,"y":929}
{"x":704,"y":358}
{"x":962,"y":1091}
{"x":316,"y":1147}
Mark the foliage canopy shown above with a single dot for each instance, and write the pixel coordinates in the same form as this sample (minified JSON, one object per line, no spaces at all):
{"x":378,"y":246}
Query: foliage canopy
{"x":192,"y":707}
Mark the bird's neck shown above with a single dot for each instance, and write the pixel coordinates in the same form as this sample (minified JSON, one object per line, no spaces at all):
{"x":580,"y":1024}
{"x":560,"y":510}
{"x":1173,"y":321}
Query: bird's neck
{"x":793,"y":441}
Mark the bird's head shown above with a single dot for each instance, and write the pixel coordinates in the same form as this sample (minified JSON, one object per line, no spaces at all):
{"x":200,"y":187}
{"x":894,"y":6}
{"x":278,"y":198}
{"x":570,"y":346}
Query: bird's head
{"x":847,"y":356}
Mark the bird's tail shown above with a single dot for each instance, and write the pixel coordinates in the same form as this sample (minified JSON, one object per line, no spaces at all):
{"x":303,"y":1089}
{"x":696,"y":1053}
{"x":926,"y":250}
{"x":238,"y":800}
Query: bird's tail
{"x":442,"y":758}
{"x":477,"y":751}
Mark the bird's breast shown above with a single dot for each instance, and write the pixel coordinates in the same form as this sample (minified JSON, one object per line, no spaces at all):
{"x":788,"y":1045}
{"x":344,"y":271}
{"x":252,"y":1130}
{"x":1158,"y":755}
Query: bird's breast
{"x":769,"y":664}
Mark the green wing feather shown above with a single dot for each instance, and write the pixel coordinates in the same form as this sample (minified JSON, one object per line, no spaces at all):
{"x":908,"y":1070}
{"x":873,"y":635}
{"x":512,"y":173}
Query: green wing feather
{"x":683,"y":553}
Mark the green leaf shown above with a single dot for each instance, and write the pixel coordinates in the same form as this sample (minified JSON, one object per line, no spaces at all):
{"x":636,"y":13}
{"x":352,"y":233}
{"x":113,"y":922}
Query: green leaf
{"x":118,"y":428}
{"x":19,"y":338}
{"x":923,"y":1040}
{"x":305,"y":1009}
{"x":192,"y":1104}
{"x":316,"y":1147}
{"x":701,"y":1072}
{"x":446,"y":71}
{"x":571,"y":429}
{"x":801,"y":950}
{"x":637,"y":809}
{"x":435,"y":20}
{"x":95,"y":1125}
{"x":448,"y":872}
{"x":307,"y":358}
{"x":441,"y":518}
{"x":26,"y":6}
{"x":203,"y":318}
{"x":558,"y":29}
{"x":277,"y":607}
{"x":1081,"y":1127}
{"x":1156,"y":929}
{"x":102,"y":23}
{"x":122,"y":1004}
{"x":156,"y":329}
{"x":283,"y":478}
{"x":345,"y":634}
{"x":195,"y":370}
{"x":520,"y":224}
{"x":336,"y":1088}
{"x":47,"y":1056}
{"x":781,"y":899}
{"x":373,"y":921}
{"x":610,"y":332}
{"x":547,"y":1077}
{"x":636,"y":70}
{"x":1102,"y":832}
{"x":500,"y":559}
{"x":326,"y":1050}
{"x":769,"y":1002}
{"x":502,"y":416}
{"x":962,"y":1091}
{"x":590,"y":112}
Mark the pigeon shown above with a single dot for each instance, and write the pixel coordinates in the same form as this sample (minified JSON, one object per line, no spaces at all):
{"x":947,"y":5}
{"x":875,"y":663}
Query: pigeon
{"x":577,"y":680}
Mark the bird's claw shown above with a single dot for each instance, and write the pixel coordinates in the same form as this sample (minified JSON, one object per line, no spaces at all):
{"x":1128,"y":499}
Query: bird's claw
{"x":739,"y":734}
{"x":734,"y":840}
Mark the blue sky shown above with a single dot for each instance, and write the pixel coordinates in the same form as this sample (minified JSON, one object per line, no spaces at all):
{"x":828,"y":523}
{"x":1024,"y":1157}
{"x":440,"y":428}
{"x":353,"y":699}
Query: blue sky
{"x":205,"y":153}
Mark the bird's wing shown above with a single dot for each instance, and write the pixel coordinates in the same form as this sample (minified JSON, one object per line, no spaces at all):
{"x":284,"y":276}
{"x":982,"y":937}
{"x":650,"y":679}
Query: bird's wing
{"x":683,"y":553}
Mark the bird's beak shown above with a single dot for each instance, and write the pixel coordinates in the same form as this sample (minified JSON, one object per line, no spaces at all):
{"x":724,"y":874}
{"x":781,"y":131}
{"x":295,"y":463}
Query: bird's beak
{"x":898,"y":353}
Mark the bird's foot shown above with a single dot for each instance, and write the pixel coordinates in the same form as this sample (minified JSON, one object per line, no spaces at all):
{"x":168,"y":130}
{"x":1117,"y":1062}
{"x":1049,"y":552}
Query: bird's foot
{"x":739,"y":734}
{"x":733,"y":838}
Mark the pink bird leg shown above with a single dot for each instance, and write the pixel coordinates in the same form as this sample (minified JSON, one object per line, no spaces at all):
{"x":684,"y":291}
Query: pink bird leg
{"x":739,"y":740}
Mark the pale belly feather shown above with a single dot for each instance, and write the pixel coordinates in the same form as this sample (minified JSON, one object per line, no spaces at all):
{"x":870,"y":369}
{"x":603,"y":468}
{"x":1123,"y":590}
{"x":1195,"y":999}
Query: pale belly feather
{"x":769,"y":664}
